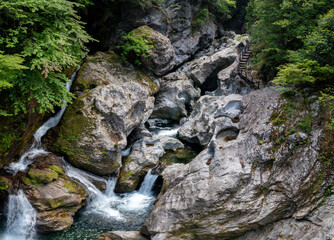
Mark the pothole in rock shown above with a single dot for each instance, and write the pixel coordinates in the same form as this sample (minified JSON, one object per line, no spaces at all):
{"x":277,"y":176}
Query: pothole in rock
{"x":229,"y":134}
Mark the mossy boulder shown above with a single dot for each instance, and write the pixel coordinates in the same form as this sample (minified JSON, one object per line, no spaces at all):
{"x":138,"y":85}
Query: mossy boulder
{"x":54,"y":195}
{"x":43,"y":176}
{"x":113,"y":100}
{"x":160,"y":58}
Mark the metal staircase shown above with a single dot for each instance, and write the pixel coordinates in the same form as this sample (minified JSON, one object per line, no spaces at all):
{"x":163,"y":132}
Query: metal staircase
{"x":242,"y":68}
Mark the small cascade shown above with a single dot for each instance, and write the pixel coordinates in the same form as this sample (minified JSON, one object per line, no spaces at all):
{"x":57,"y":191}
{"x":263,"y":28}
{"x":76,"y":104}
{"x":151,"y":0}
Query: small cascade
{"x":126,"y":152}
{"x":163,"y":127}
{"x":148,"y":183}
{"x":98,"y":202}
{"x":36,"y":148}
{"x":21,"y":218}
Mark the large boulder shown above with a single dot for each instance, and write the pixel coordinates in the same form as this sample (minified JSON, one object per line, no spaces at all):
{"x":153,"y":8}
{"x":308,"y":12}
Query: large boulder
{"x":276,"y":168}
{"x":55,"y":196}
{"x":173,"y":18}
{"x":176,"y":95}
{"x":160,"y":58}
{"x":212,"y":117}
{"x":145,"y":154}
{"x":112,"y":100}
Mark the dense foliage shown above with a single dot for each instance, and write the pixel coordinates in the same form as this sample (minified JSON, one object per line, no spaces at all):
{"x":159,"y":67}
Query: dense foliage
{"x":294,"y":44}
{"x":39,"y":40}
{"x":278,"y":27}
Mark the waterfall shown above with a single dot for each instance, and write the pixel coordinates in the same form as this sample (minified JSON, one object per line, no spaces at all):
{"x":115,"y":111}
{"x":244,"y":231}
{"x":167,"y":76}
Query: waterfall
{"x":148,"y":183}
{"x":98,"y":202}
{"x":162,"y":127}
{"x":36,"y":148}
{"x":21,"y":218}
{"x":109,"y":204}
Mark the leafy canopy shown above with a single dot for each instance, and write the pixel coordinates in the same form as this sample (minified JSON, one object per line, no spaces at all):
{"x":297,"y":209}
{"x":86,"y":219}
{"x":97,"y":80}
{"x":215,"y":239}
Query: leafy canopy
{"x":39,"y":40}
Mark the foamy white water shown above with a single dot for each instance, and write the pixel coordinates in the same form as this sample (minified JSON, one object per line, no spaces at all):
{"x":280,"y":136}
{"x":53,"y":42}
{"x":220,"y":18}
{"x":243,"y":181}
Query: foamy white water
{"x":110,"y":205}
{"x":169,"y":133}
{"x":21,"y":218}
{"x":163,"y":127}
{"x":36,"y":148}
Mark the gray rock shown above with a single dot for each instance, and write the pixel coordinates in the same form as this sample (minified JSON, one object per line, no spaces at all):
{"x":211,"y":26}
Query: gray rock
{"x":212,"y":116}
{"x":113,"y":100}
{"x":318,"y":226}
{"x":122,"y":235}
{"x":236,"y":186}
{"x":160,"y":58}
{"x":175,"y":95}
{"x":145,"y":154}
{"x":55,"y":197}
{"x":174,"y":20}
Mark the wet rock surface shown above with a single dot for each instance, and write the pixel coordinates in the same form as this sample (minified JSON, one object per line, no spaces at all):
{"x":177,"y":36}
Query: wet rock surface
{"x":55,"y":196}
{"x":176,"y":95}
{"x":145,"y":154}
{"x":112,"y":101}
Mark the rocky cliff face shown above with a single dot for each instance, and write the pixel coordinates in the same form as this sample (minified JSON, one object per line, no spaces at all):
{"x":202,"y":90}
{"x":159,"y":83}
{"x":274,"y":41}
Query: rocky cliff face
{"x":266,"y":159}
{"x":271,"y":169}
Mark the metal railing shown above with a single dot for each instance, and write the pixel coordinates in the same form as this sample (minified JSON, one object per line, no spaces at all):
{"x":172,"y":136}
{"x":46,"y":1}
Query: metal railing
{"x":242,"y":68}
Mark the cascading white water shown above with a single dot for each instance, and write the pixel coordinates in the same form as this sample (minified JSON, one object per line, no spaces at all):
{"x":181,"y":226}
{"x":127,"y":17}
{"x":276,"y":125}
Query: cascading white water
{"x":98,"y":202}
{"x":21,"y":218}
{"x":36,"y":148}
{"x":163,"y":127}
{"x":148,"y":183}
{"x":110,"y":205}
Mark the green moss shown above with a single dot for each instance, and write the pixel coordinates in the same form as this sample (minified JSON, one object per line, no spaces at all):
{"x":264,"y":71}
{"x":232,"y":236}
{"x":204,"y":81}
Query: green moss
{"x":147,"y":82}
{"x":255,"y":164}
{"x":57,"y":169}
{"x":3,"y":185}
{"x":74,"y":125}
{"x":26,"y":181}
{"x":42,"y":175}
{"x":182,"y":155}
{"x":55,"y":203}
{"x":70,"y":187}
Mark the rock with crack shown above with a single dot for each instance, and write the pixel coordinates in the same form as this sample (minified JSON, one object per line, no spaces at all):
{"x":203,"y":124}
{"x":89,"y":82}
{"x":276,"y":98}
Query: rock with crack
{"x":55,"y":197}
{"x":266,"y":174}
{"x":176,"y":94}
{"x":112,"y":100}
{"x":145,"y":154}
{"x":213,"y":116}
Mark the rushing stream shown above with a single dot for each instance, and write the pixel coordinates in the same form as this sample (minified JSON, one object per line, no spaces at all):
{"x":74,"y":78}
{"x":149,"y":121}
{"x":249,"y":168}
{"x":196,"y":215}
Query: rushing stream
{"x":105,"y":211}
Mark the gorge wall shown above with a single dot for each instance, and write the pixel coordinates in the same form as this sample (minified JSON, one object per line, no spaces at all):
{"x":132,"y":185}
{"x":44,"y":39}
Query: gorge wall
{"x":265,"y":164}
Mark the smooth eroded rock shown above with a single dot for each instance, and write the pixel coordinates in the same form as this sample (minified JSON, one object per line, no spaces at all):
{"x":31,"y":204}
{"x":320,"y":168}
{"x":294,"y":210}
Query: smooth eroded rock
{"x":112,"y":101}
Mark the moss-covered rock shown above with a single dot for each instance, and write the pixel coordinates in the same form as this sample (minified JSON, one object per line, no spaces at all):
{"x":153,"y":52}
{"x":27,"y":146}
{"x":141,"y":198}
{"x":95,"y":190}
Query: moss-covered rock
{"x":160,"y":57}
{"x":183,"y":155}
{"x":113,"y":99}
{"x":43,"y":176}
